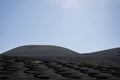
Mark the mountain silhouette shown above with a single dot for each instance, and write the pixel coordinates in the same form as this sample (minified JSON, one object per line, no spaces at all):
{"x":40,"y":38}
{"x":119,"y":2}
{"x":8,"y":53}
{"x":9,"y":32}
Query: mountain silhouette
{"x":48,"y":62}
{"x":105,"y":57}
{"x":40,"y":50}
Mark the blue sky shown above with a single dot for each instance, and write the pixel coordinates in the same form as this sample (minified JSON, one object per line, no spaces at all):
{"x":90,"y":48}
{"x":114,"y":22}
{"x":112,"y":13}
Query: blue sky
{"x":81,"y":25}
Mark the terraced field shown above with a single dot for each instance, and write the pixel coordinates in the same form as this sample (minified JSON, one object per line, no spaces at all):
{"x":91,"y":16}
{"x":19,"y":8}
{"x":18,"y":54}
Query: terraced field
{"x":54,"y":69}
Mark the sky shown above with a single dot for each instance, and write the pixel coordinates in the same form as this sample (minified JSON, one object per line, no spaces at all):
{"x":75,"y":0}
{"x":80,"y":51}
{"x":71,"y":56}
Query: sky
{"x":80,"y":25}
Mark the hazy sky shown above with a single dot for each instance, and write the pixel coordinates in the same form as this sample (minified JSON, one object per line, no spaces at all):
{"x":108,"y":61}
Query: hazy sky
{"x":80,"y":25}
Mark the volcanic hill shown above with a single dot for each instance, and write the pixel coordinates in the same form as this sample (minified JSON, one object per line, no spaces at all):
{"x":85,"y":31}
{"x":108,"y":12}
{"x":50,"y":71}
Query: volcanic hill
{"x":40,"y":50}
{"x":47,"y":62}
{"x":105,"y":57}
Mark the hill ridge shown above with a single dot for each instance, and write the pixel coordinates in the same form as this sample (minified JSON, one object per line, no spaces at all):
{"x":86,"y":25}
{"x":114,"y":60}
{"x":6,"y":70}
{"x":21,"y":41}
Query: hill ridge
{"x":40,"y":50}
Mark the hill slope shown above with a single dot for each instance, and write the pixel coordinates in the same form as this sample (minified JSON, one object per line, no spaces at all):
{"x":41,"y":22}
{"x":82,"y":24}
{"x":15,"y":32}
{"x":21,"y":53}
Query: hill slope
{"x":40,"y":50}
{"x":109,"y":57}
{"x":105,"y":57}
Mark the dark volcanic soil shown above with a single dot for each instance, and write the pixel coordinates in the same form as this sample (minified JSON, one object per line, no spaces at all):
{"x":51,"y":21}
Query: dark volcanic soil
{"x":57,"y":63}
{"x":40,"y":50}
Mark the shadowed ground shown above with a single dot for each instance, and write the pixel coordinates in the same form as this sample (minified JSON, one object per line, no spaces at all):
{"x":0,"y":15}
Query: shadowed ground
{"x":57,"y":63}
